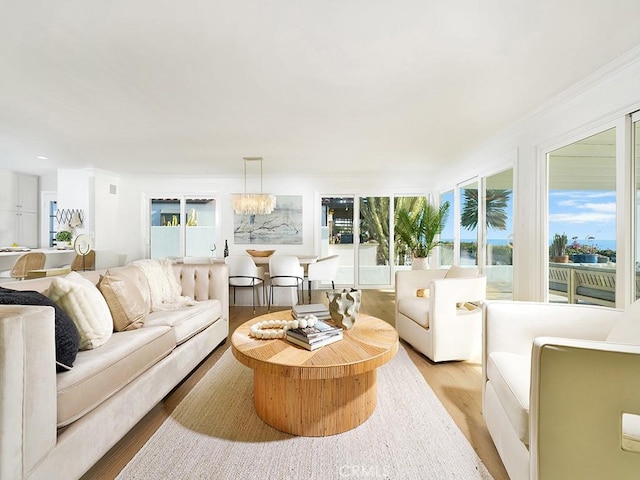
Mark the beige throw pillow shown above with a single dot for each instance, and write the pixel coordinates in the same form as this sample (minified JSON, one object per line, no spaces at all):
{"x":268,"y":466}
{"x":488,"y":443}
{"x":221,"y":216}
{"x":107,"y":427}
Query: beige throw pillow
{"x":126,"y":303}
{"x":82,"y":301}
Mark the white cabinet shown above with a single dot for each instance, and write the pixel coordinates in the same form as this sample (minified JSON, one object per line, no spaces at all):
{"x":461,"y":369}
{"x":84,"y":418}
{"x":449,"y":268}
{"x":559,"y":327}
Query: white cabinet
{"x":18,"y":209}
{"x":28,"y":193}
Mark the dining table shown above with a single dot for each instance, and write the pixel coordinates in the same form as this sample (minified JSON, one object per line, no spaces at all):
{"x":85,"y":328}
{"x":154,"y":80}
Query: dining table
{"x":303,"y":259}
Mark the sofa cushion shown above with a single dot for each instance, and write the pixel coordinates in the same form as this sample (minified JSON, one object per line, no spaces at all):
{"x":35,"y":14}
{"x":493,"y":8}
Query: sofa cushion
{"x":126,"y":304}
{"x":416,"y":308}
{"x":188,"y":321}
{"x":461,"y":272}
{"x":627,"y":329}
{"x":100,"y":373}
{"x":66,"y":334}
{"x":510,"y":374}
{"x":86,"y":306}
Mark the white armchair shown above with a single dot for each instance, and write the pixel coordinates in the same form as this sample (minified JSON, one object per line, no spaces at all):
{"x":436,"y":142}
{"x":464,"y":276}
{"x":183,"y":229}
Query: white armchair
{"x":434,"y":313}
{"x":561,"y":389}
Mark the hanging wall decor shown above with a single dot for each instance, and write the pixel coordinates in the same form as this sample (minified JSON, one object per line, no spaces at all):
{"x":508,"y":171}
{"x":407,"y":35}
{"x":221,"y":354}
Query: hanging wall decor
{"x":281,"y":227}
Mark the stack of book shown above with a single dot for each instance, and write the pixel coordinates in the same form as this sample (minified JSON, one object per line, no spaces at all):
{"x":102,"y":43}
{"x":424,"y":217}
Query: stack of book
{"x":322,"y":333}
{"x":320,"y":311}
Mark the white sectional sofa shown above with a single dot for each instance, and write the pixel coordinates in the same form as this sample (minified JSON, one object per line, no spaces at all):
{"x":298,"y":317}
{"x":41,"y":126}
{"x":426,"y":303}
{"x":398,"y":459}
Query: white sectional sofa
{"x":57,"y":425}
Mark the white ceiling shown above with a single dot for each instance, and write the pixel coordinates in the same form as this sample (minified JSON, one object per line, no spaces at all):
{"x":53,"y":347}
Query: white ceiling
{"x":192,"y":86}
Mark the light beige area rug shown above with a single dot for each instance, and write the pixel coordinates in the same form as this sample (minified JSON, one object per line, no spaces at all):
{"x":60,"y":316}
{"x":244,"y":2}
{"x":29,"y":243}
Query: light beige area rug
{"x":214,"y":433}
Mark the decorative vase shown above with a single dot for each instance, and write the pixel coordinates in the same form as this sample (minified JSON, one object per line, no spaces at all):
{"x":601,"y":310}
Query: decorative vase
{"x":420,"y":263}
{"x":226,"y":249}
{"x":344,"y":307}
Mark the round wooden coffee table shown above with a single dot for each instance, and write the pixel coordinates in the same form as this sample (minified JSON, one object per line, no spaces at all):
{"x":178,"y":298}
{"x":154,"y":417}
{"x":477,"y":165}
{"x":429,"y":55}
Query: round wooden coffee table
{"x":321,"y":392}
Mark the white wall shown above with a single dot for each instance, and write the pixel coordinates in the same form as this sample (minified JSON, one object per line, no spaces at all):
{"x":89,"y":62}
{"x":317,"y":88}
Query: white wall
{"x":595,"y":104}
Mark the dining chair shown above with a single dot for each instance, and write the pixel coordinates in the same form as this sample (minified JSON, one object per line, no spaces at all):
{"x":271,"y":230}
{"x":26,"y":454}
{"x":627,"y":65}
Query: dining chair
{"x":285,"y":271}
{"x":243,"y":273}
{"x":324,"y":269}
{"x":25,"y":263}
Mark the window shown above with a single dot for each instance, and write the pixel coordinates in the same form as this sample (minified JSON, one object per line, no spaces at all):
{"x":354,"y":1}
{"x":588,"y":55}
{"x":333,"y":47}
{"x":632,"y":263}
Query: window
{"x":582,"y":207}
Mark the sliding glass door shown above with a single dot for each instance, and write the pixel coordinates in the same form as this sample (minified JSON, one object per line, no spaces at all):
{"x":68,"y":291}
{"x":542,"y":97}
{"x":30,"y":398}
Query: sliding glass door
{"x":498,"y":213}
{"x":448,"y":237}
{"x":469,"y":215}
{"x":374,"y":249}
{"x":182,"y":226}
{"x":364,"y":246}
{"x":337,"y":235}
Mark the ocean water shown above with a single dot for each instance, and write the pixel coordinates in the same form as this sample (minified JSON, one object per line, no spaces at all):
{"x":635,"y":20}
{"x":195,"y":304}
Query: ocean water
{"x":599,"y":244}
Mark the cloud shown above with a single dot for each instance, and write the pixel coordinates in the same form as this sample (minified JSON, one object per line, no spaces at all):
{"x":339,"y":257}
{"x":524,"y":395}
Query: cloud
{"x":580,"y":207}
{"x":601,"y":207}
{"x":582,"y":217}
{"x":579,"y":195}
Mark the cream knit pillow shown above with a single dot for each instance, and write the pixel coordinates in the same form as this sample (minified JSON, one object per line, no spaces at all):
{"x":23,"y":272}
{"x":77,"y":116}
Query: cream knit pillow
{"x":83,"y":302}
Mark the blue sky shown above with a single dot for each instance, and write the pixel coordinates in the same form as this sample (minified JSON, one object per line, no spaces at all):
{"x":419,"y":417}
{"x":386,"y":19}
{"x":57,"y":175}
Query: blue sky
{"x":582,"y":214}
{"x":577,"y":213}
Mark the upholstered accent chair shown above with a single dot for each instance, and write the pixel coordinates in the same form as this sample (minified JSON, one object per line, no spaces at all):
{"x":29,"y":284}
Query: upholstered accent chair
{"x":243,"y":273}
{"x":561,"y":389}
{"x":323,"y":270}
{"x":285,"y":271}
{"x":438,"y":311}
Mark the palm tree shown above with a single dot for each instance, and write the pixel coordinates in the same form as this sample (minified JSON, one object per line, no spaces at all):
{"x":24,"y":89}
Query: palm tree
{"x":495,"y":208}
{"x":416,"y":224}
{"x":418,"y":227}
{"x":374,"y":212}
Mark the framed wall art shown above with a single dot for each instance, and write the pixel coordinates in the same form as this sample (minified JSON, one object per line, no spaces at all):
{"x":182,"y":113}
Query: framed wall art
{"x":283,"y":226}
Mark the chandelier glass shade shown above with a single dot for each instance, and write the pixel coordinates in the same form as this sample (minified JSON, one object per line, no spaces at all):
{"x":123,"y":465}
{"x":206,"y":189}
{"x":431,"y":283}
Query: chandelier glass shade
{"x":253,"y":203}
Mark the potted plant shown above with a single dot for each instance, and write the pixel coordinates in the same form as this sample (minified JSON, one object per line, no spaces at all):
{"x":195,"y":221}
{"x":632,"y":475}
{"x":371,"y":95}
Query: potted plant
{"x":583,"y":253}
{"x":418,"y":229}
{"x":558,"y":249}
{"x":63,"y":238}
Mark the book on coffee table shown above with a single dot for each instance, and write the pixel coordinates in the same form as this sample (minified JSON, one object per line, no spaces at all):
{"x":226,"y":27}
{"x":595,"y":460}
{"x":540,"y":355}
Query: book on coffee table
{"x":315,"y":343}
{"x":319,"y":329}
{"x":319,"y":310}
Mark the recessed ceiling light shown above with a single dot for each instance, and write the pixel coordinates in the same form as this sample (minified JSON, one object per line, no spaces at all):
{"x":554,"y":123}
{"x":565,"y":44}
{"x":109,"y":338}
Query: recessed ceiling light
{"x":41,"y":157}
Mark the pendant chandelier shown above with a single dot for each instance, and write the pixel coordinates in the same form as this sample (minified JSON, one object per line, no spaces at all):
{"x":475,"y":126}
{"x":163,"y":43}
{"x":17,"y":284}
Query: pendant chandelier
{"x":253,"y":203}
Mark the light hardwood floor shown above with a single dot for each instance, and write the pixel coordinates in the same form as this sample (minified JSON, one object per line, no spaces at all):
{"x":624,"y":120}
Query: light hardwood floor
{"x":457,"y":385}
